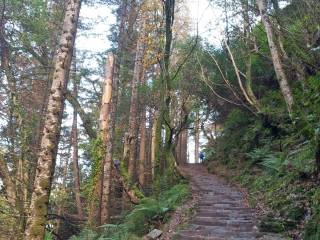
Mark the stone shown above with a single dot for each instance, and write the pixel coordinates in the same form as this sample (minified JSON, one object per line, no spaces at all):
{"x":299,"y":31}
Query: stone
{"x":154,"y":234}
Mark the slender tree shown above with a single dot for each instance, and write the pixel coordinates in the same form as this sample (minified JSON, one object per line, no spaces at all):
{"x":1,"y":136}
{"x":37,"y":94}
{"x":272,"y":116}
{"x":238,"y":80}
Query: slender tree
{"x":75,"y":153}
{"x":51,"y":132}
{"x":197,"y":137}
{"x":275,"y":54}
{"x":143,"y":132}
{"x":137,"y":73}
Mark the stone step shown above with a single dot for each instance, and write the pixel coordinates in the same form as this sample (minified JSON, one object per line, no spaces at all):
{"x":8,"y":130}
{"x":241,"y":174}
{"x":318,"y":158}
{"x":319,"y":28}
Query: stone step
{"x":221,"y":213}
{"x":189,"y":234}
{"x":228,"y":227}
{"x":195,"y":237}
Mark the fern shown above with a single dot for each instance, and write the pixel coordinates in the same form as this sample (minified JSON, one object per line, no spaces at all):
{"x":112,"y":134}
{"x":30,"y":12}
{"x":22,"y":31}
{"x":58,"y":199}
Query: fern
{"x":301,"y":158}
{"x":148,"y":214}
{"x":272,"y":163}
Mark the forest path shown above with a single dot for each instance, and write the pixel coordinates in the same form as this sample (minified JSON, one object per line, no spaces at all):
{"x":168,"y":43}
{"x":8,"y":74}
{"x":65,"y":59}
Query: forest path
{"x":221,"y":213}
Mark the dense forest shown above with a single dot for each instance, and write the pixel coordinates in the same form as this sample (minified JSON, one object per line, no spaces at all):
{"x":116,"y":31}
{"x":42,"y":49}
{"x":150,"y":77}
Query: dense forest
{"x":93,"y":144}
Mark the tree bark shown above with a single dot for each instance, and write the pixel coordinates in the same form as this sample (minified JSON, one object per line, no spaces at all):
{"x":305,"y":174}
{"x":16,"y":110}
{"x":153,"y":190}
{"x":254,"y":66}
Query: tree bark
{"x":276,"y":59}
{"x":142,"y":149}
{"x":74,"y":142}
{"x":249,"y":47}
{"x":184,"y":146}
{"x":197,"y":137}
{"x":51,"y":132}
{"x":9,"y":183}
{"x":61,"y":206}
{"x":154,"y":142}
{"x":138,"y":68}
{"x":109,"y":104}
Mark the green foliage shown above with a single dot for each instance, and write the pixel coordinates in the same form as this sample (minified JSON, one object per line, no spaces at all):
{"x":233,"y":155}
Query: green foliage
{"x":145,"y":216}
{"x":8,"y":221}
{"x":312,"y":229}
{"x":96,"y":151}
{"x":301,"y":159}
{"x":48,"y":236}
{"x":272,"y":163}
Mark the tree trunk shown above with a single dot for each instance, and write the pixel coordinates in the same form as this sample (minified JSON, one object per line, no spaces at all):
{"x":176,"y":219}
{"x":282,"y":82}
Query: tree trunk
{"x":248,"y":49}
{"x":184,"y":146}
{"x":138,"y":68}
{"x":64,"y":190}
{"x":51,"y":132}
{"x":74,"y":142}
{"x":142,"y":150}
{"x":154,"y":142}
{"x":281,"y":76}
{"x":197,"y":137}
{"x":104,"y":128}
{"x":109,"y":103}
{"x":9,"y":183}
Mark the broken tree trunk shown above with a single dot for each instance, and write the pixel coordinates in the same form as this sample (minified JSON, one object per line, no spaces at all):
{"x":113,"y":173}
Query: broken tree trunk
{"x":110,"y":104}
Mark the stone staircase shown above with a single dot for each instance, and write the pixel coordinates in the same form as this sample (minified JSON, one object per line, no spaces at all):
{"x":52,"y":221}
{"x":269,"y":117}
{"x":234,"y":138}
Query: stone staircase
{"x":221,"y":212}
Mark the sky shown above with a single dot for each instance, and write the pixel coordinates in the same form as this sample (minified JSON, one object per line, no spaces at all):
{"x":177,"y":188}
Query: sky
{"x":208,"y":18}
{"x":205,"y":17}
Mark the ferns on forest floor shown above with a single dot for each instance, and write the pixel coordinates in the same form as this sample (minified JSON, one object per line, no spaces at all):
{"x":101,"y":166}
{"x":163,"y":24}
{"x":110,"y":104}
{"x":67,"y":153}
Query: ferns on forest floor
{"x":148,"y":214}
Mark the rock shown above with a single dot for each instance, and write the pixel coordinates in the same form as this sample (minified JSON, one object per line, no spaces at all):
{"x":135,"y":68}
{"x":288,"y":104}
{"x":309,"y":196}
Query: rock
{"x":154,"y":234}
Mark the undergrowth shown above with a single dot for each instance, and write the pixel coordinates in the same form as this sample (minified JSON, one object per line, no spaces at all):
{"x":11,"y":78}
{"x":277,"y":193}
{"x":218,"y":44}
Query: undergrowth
{"x":275,"y":160}
{"x":150,"y":213}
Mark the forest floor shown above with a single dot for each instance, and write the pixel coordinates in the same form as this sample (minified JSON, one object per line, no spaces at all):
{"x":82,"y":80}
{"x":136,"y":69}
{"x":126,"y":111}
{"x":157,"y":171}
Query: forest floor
{"x":218,"y":211}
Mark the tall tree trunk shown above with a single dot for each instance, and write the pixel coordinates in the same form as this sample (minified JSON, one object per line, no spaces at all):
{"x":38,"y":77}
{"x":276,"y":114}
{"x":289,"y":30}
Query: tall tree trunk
{"x":64,"y":190}
{"x":104,"y":128}
{"x":249,"y":47}
{"x":138,"y":68}
{"x":276,"y":59}
{"x":184,"y":146}
{"x":75,"y":162}
{"x":51,"y":132}
{"x":154,"y":143}
{"x":109,"y":103}
{"x":9,"y":183}
{"x":142,"y":149}
{"x":197,"y":137}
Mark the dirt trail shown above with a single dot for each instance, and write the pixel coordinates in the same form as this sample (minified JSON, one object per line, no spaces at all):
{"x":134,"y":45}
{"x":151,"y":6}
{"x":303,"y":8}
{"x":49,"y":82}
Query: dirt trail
{"x":222,"y":212}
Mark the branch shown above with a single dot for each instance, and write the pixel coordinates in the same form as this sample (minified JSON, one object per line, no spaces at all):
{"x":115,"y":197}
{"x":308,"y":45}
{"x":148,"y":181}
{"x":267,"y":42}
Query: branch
{"x":238,"y":75}
{"x":186,"y":58}
{"x":224,"y":77}
{"x":87,"y":123}
{"x":203,"y":78}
